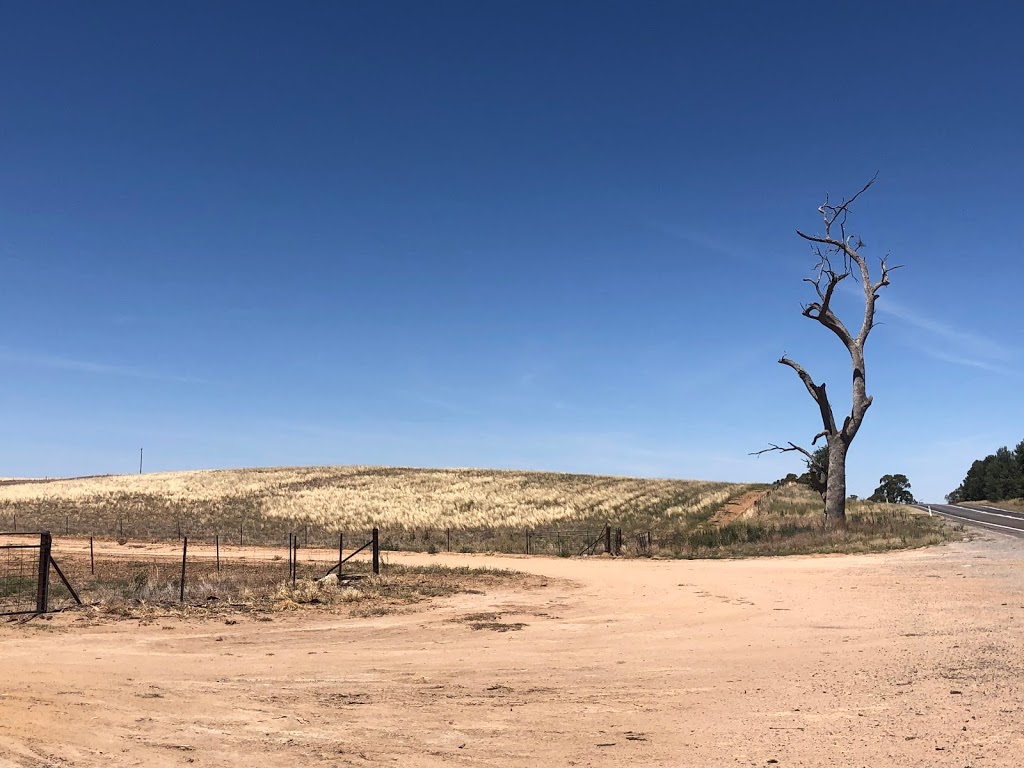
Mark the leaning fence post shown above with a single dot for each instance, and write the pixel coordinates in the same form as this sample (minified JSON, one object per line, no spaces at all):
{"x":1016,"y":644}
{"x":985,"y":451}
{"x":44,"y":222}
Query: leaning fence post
{"x":376,"y":551}
{"x":184,"y":556}
{"x":43,"y":584}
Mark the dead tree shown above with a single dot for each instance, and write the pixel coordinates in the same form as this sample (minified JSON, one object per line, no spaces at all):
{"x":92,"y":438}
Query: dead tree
{"x":839,"y":256}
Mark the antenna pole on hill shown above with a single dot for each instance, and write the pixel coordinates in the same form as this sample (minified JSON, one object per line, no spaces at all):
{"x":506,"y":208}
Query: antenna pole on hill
{"x":140,"y":461}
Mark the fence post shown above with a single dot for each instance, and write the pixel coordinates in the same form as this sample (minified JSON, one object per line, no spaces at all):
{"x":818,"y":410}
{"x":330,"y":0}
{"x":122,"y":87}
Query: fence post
{"x":376,"y":551}
{"x":608,"y":538}
{"x":448,"y":533}
{"x":239,"y":534}
{"x":341,"y":552}
{"x":43,"y":584}
{"x":184,"y":556}
{"x":618,"y":541}
{"x":92,"y":560}
{"x":217,"y":541}
{"x":295,"y":562}
{"x":527,"y":541}
{"x":67,"y":524}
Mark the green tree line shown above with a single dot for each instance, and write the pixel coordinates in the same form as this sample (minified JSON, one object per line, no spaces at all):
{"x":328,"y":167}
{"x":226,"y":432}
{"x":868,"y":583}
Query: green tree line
{"x":997,"y":477}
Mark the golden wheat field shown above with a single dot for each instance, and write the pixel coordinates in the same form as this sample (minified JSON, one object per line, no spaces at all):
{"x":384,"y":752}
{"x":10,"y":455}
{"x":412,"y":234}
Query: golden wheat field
{"x":457,"y":509}
{"x":346,"y":498}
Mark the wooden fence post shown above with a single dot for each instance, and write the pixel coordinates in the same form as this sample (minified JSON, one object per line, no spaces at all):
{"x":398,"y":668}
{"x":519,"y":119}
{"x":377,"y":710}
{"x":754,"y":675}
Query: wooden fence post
{"x":376,"y":551}
{"x":184,"y":556}
{"x":608,"y":539}
{"x":448,"y":533}
{"x":43,"y":583}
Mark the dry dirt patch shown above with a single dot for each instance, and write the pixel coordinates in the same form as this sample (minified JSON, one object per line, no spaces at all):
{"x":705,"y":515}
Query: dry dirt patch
{"x":902,"y":659}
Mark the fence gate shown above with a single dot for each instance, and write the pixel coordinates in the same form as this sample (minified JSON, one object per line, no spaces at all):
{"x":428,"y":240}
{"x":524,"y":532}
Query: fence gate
{"x":24,"y":572}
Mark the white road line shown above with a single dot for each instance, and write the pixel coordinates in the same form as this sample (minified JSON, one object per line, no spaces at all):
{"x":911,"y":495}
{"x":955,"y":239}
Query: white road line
{"x":981,"y":511}
{"x":980,"y":522}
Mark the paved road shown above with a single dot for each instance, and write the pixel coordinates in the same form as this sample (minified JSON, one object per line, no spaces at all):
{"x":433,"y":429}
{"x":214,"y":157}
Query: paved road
{"x":992,"y":518}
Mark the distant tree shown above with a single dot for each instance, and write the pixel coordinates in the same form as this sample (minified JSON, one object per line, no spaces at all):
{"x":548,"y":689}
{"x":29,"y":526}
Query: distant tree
{"x":816,"y":476}
{"x":839,"y":255}
{"x":893,"y":489}
{"x":998,"y":476}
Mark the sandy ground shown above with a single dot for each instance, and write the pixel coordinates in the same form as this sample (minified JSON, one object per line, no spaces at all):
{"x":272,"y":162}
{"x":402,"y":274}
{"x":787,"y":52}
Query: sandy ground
{"x":913,"y":658}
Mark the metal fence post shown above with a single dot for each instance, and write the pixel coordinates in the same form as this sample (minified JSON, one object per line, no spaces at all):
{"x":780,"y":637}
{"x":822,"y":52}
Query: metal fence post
{"x":608,"y":539}
{"x":376,"y":551}
{"x":92,"y":560}
{"x":295,"y":562}
{"x":217,"y":541}
{"x":184,"y":556}
{"x":341,"y":553}
{"x":43,"y":584}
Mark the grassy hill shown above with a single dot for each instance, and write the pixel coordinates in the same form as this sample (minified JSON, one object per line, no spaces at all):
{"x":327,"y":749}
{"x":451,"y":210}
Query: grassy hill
{"x":423,"y":508}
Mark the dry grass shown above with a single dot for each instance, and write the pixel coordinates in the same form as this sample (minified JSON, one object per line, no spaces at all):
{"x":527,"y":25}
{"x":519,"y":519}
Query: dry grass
{"x":461,"y":509}
{"x":412,"y":507}
{"x":790,"y":522}
{"x":141,"y":589}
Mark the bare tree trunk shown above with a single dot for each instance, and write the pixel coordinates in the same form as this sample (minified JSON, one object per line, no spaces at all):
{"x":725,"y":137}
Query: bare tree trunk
{"x":835,"y":487}
{"x":839,"y":257}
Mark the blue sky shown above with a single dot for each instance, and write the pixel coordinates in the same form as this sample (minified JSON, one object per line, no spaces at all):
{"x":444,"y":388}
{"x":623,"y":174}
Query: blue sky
{"x":538,"y":235}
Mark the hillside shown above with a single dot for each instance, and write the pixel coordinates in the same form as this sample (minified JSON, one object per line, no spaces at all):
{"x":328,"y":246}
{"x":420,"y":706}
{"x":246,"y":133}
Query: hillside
{"x":464,"y":509}
{"x":268,"y":503}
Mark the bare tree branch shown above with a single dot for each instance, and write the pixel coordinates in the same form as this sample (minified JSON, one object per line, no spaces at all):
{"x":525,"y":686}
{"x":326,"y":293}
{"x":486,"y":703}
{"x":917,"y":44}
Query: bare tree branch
{"x":828,"y":419}
{"x":780,"y":449}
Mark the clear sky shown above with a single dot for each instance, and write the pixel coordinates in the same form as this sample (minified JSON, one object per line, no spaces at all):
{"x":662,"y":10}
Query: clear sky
{"x":501,"y":234}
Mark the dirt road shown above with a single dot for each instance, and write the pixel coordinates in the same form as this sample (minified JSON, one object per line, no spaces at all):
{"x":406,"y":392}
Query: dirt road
{"x":908,"y":659}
